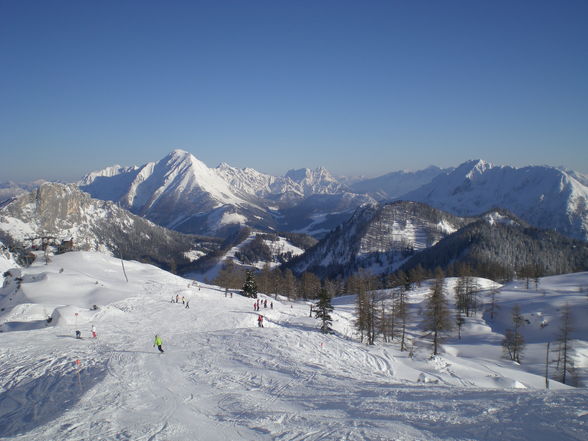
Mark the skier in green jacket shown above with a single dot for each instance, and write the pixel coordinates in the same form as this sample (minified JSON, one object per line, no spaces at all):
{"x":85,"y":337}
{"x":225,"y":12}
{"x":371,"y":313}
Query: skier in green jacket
{"x":158,"y":342}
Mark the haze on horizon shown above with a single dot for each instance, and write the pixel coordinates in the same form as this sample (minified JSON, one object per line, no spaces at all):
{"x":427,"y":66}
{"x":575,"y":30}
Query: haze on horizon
{"x":359,"y":88}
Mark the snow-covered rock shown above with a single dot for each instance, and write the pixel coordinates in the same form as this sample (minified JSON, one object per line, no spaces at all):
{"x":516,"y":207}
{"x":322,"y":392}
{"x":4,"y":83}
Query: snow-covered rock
{"x":60,"y":212}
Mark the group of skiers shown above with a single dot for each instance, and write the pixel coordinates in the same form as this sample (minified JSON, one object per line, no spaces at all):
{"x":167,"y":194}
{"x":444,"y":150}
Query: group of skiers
{"x":92,"y":330}
{"x":256,"y":304}
{"x":185,"y":301}
{"x":159,"y":342}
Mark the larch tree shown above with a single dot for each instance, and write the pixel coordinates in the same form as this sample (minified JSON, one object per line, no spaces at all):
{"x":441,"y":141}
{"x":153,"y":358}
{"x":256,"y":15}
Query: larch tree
{"x":493,"y":305}
{"x":513,"y":342}
{"x":437,"y":316}
{"x":401,"y":314}
{"x":290,"y":285}
{"x":310,"y":285}
{"x":565,"y":360}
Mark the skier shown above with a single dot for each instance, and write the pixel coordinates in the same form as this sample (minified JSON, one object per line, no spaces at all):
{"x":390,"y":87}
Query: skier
{"x":260,"y":321}
{"x":177,"y":298}
{"x":78,"y":334}
{"x":187,"y":304}
{"x":158,"y":342}
{"x":94,"y":331}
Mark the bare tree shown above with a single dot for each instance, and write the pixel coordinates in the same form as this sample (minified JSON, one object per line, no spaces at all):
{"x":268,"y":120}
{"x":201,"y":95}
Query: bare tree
{"x":513,"y":342}
{"x":565,"y":361}
{"x":459,"y":321}
{"x":401,"y":314}
{"x":289,"y":284}
{"x":466,"y":292}
{"x":310,"y":285}
{"x":437,"y":317}
{"x":493,"y":306}
{"x":230,"y":276}
{"x":361,"y":312}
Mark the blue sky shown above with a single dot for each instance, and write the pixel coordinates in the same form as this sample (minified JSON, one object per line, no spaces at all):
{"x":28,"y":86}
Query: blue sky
{"x":360,"y":87}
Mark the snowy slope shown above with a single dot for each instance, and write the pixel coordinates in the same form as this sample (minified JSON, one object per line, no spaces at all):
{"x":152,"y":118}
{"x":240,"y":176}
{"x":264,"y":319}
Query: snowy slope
{"x":223,"y":378}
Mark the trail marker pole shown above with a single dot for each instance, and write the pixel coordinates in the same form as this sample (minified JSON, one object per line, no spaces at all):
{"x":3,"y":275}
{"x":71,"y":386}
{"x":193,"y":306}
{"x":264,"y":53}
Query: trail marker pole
{"x":122,"y":262}
{"x":547,"y":367}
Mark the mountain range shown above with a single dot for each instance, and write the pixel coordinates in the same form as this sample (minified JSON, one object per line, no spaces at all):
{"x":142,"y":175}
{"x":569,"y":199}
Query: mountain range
{"x":403,"y":235}
{"x":175,"y":211}
{"x":182,"y":193}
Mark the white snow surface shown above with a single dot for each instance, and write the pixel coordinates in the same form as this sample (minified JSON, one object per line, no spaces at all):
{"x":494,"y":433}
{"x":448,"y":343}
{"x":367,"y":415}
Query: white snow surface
{"x":223,"y":378}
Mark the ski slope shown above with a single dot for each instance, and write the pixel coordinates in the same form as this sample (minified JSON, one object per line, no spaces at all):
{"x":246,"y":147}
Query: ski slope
{"x":223,"y":378}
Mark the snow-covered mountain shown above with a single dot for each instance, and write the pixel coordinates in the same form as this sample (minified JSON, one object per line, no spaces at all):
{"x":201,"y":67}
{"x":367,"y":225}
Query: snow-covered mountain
{"x":169,"y":192}
{"x":379,"y":238}
{"x":546,"y":197}
{"x":295,"y":185}
{"x":222,"y":377}
{"x":393,"y":185}
{"x":182,"y":193}
{"x":499,"y":245}
{"x":62,"y":212}
{"x":402,"y":235}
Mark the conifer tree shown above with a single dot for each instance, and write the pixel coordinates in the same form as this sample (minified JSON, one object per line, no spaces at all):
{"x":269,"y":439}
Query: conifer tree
{"x":437,"y":317}
{"x":250,"y":287}
{"x":323,"y":309}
